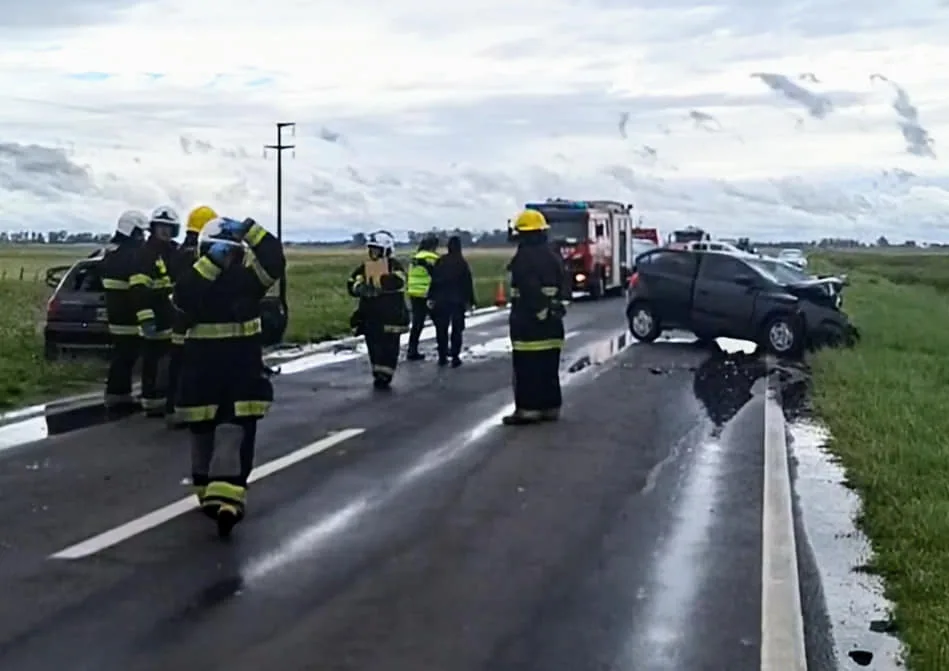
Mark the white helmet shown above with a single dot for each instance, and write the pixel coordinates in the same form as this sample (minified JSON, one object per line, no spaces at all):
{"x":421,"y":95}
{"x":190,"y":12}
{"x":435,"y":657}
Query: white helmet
{"x":131,"y":221}
{"x":165,"y":215}
{"x":381,"y":240}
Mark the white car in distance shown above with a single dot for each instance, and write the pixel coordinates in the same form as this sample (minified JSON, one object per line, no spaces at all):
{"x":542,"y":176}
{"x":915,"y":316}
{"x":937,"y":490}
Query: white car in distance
{"x":793,"y":256}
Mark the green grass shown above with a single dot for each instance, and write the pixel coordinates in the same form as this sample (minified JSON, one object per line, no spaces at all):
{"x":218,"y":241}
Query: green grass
{"x":885,"y":403}
{"x":316,"y":287}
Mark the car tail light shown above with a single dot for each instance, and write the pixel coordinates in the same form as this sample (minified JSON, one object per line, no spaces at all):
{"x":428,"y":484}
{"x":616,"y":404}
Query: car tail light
{"x":52,"y":307}
{"x":633,"y":280}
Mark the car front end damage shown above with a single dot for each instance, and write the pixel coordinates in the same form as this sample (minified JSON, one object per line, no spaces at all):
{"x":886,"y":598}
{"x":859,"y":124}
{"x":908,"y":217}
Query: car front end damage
{"x":821,"y":304}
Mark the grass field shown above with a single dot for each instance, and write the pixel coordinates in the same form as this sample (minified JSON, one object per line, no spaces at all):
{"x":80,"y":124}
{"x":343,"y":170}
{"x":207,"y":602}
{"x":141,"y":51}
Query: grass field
{"x":885,"y":403}
{"x":316,"y":288}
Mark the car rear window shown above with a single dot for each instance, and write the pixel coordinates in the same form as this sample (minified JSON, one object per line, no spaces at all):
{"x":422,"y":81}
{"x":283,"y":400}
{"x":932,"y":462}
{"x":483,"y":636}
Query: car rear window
{"x":83,"y":276}
{"x":668,"y":262}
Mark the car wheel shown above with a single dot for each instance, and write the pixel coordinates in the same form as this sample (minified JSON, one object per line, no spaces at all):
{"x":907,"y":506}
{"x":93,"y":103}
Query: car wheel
{"x":782,"y":336}
{"x":51,"y":351}
{"x":643,"y":323}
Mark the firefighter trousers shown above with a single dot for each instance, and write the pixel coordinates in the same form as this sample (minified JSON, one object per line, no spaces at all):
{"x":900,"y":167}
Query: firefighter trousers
{"x":154,"y":388}
{"x":419,"y":315}
{"x":445,"y":317}
{"x":223,"y":452}
{"x":383,"y":353}
{"x":176,"y":352}
{"x":537,"y":381}
{"x":123,"y":354}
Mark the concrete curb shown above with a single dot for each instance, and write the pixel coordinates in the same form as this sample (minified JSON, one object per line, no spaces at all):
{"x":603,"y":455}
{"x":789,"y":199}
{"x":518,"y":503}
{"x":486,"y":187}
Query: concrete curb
{"x":92,"y":399}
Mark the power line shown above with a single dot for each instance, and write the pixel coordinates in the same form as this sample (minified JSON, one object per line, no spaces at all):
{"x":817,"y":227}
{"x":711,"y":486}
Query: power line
{"x":280,"y":147}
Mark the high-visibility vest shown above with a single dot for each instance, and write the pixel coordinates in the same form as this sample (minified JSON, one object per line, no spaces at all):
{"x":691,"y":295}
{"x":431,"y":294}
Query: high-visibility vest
{"x":420,"y":277}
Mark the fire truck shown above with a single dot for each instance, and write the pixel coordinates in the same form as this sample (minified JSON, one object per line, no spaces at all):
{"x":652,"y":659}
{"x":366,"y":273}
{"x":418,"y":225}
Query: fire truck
{"x":595,"y":241}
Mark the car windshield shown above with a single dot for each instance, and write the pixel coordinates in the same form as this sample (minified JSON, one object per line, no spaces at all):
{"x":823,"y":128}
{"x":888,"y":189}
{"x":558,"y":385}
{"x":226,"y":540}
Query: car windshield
{"x":779,"y":272}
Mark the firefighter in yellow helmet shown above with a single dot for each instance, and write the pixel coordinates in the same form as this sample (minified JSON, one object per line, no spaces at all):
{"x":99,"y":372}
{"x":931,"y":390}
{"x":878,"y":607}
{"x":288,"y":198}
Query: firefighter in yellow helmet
{"x":536,"y":322}
{"x":223,"y":390}
{"x":180,"y":264}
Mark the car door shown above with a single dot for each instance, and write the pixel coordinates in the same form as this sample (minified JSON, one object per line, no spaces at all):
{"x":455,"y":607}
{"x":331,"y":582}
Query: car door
{"x":725,"y":293}
{"x":667,"y":277}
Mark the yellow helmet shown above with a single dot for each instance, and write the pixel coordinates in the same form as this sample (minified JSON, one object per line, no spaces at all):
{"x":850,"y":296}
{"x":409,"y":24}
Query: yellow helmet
{"x":199,"y":218}
{"x":530,"y":220}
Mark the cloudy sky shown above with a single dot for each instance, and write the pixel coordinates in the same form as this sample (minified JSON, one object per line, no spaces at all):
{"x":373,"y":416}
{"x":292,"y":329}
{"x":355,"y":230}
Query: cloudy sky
{"x":771,"y":119}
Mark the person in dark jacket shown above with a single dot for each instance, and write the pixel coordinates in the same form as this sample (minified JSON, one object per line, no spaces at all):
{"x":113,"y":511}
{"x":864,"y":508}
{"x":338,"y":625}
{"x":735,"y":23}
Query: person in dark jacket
{"x":450,"y":296}
{"x":536,"y":322}
{"x":223,"y":392}
{"x":182,"y":260}
{"x":151,"y":286}
{"x":417,"y":289}
{"x":381,"y":316}
{"x":116,"y":269}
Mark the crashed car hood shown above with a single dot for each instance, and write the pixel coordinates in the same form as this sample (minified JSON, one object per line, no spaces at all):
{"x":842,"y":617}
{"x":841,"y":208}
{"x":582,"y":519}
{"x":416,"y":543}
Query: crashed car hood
{"x":835,"y":284}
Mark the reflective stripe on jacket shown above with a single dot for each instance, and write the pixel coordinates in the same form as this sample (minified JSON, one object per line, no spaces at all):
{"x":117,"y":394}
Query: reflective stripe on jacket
{"x":420,"y":274}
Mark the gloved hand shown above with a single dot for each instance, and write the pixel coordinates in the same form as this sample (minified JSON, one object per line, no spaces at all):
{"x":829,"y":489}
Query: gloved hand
{"x":149,"y":330}
{"x":368,"y":290}
{"x":430,"y":304}
{"x":219,"y":253}
{"x":236,"y":228}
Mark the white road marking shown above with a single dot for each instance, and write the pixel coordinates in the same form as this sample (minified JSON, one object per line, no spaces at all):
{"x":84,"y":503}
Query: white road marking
{"x":153,"y":519}
{"x":782,"y":618}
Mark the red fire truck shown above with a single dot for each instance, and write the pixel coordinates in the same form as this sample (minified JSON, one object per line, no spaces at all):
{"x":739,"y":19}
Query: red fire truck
{"x":595,"y":240}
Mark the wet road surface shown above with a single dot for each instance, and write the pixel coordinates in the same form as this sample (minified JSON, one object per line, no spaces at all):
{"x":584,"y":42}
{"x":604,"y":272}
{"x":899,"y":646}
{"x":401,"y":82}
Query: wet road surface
{"x":427,"y":536}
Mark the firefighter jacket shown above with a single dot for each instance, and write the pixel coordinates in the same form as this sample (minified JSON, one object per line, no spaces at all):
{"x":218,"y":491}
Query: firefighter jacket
{"x":150,"y":287}
{"x":381,"y":308}
{"x":116,"y":269}
{"x":420,"y":274}
{"x":537,"y":295}
{"x":222,"y":372}
{"x":181,"y":261}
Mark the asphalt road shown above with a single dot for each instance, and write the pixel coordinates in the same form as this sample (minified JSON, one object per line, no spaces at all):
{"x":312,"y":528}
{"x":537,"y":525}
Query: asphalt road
{"x":625,"y":537}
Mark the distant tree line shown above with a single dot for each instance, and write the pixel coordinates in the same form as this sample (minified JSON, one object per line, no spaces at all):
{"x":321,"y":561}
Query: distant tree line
{"x":494,"y":238}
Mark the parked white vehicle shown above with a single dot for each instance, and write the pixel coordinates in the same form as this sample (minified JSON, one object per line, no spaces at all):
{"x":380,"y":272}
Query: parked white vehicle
{"x":793,"y":256}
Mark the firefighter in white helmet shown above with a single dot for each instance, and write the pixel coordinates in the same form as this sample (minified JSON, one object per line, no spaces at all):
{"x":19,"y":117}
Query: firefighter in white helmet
{"x":116,"y":269}
{"x":151,"y":286}
{"x":381,"y":316}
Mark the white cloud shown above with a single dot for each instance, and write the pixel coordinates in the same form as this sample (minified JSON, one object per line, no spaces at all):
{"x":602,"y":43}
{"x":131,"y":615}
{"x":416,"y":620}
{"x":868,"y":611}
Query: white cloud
{"x":748,"y":117}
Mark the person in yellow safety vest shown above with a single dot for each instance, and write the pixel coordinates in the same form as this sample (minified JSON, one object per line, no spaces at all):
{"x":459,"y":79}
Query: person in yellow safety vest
{"x":182,"y":259}
{"x":223,"y":391}
{"x":419,"y":282}
{"x":150,"y":287}
{"x":116,"y":269}
{"x":381,"y":316}
{"x":535,"y":322}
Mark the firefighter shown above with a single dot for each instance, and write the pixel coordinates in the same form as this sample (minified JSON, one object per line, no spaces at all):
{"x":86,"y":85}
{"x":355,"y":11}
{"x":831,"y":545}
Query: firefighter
{"x":419,"y":281}
{"x":536,"y":322}
{"x":450,"y":296}
{"x":151,"y":287}
{"x":181,"y":263}
{"x":222,"y":391}
{"x":381,"y":315}
{"x":116,"y":269}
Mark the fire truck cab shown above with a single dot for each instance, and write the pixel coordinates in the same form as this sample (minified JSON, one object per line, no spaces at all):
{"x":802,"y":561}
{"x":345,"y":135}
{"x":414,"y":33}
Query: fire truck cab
{"x":595,"y":240}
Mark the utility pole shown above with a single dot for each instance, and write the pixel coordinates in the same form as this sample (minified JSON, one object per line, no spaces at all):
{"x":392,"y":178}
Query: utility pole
{"x":280,"y":147}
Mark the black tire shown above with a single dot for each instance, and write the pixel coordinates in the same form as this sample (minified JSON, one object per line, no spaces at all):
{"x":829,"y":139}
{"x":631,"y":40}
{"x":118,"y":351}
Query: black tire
{"x":643,"y":322}
{"x":596,"y":288}
{"x":51,"y":351}
{"x":782,"y":335}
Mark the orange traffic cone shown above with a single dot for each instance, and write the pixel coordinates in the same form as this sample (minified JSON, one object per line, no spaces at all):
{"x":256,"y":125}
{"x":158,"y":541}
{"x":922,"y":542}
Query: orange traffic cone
{"x":500,"y":298}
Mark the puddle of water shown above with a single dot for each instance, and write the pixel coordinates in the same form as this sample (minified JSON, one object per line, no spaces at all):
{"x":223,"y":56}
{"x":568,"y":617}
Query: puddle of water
{"x":829,"y":509}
